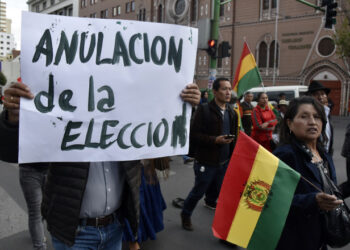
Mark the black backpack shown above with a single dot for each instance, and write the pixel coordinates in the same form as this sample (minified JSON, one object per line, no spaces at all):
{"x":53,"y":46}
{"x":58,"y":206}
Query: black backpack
{"x":205,"y":119}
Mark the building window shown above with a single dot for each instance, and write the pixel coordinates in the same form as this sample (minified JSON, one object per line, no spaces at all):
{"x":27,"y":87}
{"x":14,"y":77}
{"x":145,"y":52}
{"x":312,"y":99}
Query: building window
{"x":92,"y":2}
{"x":119,"y":10}
{"x":83,"y":3}
{"x":93,"y":15}
{"x":262,"y":63}
{"x":104,"y":13}
{"x":127,"y":7}
{"x":160,"y":14}
{"x":52,"y":2}
{"x":44,"y":5}
{"x":222,"y":8}
{"x":70,"y":12}
{"x":272,"y":55}
{"x":326,"y":46}
{"x":114,"y":11}
{"x":139,"y":16}
{"x":37,"y":8}
{"x":144,"y":14}
{"x":266,"y":4}
{"x":194,"y":10}
{"x":267,"y":9}
{"x":132,"y":6}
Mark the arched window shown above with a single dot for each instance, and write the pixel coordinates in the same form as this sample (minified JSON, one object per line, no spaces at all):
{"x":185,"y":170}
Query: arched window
{"x":272,"y":54}
{"x":262,"y":55}
{"x":160,"y":14}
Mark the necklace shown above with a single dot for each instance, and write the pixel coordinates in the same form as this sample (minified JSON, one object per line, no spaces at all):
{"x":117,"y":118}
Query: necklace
{"x":316,"y":157}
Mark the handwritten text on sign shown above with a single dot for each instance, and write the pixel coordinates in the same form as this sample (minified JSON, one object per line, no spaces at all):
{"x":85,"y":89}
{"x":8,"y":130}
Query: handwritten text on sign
{"x":104,"y":89}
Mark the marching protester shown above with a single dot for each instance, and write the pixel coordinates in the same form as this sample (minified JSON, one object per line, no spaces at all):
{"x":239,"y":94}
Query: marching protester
{"x":264,"y":122}
{"x":302,"y":137}
{"x":75,"y":206}
{"x":214,"y":131}
{"x":152,"y":204}
{"x":345,"y":187}
{"x":31,"y":178}
{"x":320,"y":92}
{"x":246,"y":109}
{"x":204,"y":97}
{"x":282,"y":108}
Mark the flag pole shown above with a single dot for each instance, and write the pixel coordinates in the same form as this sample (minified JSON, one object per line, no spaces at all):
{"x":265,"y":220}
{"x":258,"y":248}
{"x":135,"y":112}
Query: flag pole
{"x":317,"y":188}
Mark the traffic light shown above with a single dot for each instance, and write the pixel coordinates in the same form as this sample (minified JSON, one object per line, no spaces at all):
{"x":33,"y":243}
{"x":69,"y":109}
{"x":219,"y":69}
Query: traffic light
{"x":225,"y":48}
{"x":331,"y":13}
{"x":212,"y":48}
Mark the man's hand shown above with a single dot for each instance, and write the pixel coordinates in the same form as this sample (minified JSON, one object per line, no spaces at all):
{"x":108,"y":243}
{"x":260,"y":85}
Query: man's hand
{"x":221,"y":139}
{"x":191,"y":94}
{"x":12,"y":99}
{"x":327,"y":202}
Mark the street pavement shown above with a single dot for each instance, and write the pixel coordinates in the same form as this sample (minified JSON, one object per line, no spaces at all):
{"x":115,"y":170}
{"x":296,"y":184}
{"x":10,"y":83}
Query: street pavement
{"x":14,"y":233}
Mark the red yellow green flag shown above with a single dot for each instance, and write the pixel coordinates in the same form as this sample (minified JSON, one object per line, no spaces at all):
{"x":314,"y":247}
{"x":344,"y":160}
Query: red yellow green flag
{"x":255,"y":197}
{"x":247,"y":74}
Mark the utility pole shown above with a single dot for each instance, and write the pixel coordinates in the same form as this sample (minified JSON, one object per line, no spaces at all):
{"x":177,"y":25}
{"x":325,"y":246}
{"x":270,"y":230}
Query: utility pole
{"x":214,"y":35}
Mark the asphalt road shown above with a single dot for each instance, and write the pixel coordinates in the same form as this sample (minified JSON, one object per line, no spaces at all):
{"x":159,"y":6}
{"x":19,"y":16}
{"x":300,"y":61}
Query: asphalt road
{"x":14,"y":233}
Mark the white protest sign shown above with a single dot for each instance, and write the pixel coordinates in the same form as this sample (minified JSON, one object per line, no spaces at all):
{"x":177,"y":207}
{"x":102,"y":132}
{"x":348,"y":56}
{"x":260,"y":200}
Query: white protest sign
{"x":105,"y":90}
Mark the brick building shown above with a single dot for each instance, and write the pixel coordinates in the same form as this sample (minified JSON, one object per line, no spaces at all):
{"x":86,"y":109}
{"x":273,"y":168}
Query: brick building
{"x":305,"y":50}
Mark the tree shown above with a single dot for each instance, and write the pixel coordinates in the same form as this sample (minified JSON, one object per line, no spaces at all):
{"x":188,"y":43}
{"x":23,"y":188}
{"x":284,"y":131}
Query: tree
{"x":3,"y":79}
{"x":342,"y":35}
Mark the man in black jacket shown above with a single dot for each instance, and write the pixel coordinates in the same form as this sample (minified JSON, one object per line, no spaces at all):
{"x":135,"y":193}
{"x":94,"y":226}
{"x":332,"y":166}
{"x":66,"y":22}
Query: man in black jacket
{"x":82,"y":202}
{"x":215,"y":135}
{"x":320,"y":93}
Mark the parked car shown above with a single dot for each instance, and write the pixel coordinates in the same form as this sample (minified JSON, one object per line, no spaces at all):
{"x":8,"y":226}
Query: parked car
{"x":291,"y":92}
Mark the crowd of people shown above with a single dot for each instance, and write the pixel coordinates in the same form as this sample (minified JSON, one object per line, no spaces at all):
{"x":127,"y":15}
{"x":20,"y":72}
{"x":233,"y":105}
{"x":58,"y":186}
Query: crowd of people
{"x":97,"y":205}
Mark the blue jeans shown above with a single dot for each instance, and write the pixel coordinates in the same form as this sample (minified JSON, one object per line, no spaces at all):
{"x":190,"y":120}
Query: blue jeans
{"x":208,"y":180}
{"x":32,"y":182}
{"x":94,"y":238}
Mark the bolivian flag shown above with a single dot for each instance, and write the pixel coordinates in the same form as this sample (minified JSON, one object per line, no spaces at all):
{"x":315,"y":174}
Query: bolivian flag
{"x":247,"y":74}
{"x":255,"y":197}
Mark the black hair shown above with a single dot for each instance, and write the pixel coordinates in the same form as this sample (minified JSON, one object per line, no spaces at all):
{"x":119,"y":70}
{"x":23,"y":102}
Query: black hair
{"x":216,"y":84}
{"x":203,"y":93}
{"x":281,"y":94}
{"x":286,"y":136}
{"x":247,"y":93}
{"x":259,"y":95}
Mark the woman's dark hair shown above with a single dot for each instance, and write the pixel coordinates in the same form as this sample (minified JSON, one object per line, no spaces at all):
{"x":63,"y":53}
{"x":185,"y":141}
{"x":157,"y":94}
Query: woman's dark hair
{"x":259,"y":95}
{"x":203,"y":93}
{"x":216,"y":84}
{"x":286,"y":137}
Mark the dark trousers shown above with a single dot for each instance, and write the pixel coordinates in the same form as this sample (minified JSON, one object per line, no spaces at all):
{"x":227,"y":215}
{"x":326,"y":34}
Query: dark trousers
{"x":32,"y":182}
{"x":345,"y":186}
{"x":208,"y":181}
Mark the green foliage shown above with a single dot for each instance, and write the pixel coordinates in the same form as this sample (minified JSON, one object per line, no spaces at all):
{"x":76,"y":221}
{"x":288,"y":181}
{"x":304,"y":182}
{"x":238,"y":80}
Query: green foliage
{"x":3,"y":79}
{"x":342,"y":38}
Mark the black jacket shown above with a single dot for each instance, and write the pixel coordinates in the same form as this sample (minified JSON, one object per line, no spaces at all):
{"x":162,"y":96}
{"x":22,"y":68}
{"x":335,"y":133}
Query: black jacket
{"x":205,"y":132}
{"x":303,"y":228}
{"x":65,"y":186}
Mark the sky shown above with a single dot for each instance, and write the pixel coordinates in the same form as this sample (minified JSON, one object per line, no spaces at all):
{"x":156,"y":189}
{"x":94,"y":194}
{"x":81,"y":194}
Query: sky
{"x":13,"y":12}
